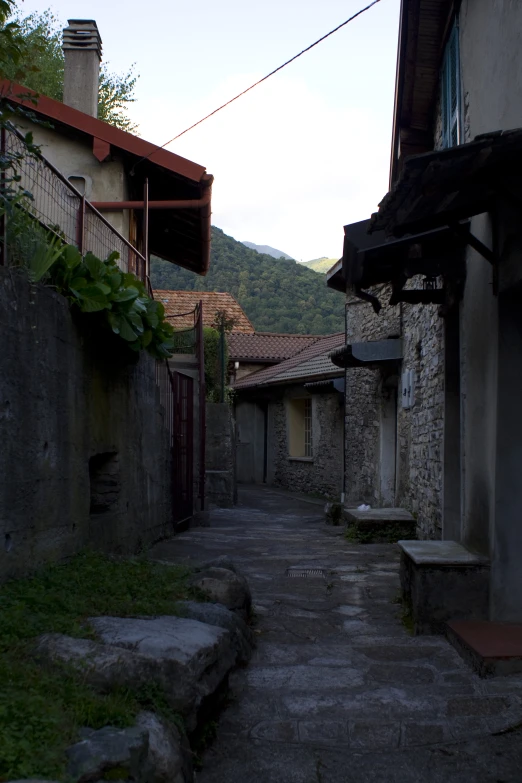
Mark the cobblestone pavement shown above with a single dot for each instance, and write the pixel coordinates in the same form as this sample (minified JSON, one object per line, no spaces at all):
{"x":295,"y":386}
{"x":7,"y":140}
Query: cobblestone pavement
{"x":338,"y":690}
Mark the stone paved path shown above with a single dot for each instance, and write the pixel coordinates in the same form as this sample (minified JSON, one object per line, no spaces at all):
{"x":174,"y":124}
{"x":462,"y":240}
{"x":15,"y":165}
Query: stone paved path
{"x":337,"y":689}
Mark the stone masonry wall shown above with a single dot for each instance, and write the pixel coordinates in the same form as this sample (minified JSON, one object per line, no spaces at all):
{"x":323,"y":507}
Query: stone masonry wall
{"x":419,"y":429}
{"x":363,"y":399}
{"x":85,"y":458}
{"x":323,"y":472}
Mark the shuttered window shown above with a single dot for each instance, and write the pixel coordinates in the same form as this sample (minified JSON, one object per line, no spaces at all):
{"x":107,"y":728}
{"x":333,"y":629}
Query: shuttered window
{"x":451,"y":92}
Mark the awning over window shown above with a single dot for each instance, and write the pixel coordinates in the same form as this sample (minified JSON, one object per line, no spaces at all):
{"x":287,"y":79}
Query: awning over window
{"x":373,"y":353}
{"x":442,"y":188}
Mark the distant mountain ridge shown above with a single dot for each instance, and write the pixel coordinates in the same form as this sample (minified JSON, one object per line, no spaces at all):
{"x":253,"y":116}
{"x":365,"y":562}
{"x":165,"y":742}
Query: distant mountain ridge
{"x":268,"y":251}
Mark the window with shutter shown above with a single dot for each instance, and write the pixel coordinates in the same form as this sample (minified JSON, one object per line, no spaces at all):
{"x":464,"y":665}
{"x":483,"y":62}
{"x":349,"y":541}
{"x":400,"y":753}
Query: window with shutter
{"x":450,"y":91}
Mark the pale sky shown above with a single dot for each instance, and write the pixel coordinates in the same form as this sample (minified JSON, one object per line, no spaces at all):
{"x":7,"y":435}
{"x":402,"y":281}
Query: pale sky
{"x":302,"y":154}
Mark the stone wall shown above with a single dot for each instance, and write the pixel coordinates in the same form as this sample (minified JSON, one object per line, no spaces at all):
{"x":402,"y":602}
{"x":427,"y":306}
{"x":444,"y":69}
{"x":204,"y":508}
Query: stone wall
{"x":85,"y":459}
{"x":322,"y":473}
{"x":421,"y":427}
{"x":220,"y":468}
{"x":418,"y":459}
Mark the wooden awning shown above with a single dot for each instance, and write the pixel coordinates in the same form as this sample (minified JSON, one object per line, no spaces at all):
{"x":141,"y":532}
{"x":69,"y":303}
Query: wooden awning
{"x":441,"y":188}
{"x":369,"y":260}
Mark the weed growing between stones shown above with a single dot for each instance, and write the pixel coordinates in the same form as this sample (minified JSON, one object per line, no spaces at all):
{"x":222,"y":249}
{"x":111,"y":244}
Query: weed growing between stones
{"x":389,"y":535}
{"x":405,"y":613}
{"x":43,"y":707}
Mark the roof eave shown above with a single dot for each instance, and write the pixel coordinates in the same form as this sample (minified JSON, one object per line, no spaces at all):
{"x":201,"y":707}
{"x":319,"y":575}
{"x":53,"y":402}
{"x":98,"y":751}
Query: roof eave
{"x":78,"y":120}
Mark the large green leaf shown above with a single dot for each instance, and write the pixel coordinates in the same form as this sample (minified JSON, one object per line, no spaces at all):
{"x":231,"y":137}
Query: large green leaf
{"x":115,"y":280}
{"x":95,"y":266}
{"x":126,"y":330}
{"x":71,"y":256}
{"x":151,"y":319}
{"x":135,"y":320}
{"x":114,"y":321}
{"x":92,"y":299}
{"x":78,"y":282}
{"x":126,"y":295}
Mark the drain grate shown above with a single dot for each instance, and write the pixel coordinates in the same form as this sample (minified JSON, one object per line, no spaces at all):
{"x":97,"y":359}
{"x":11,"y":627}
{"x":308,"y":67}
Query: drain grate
{"x":305,"y":573}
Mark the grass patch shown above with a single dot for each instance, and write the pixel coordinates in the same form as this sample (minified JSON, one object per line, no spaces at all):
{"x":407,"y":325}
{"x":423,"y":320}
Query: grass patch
{"x":43,"y":707}
{"x":388,"y":535}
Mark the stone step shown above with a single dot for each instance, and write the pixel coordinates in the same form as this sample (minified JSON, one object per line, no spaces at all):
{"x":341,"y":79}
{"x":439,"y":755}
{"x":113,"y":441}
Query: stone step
{"x":380,"y":518}
{"x":491,"y":648}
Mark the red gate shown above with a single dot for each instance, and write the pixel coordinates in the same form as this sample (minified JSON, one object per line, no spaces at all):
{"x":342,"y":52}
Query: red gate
{"x":183,"y":456}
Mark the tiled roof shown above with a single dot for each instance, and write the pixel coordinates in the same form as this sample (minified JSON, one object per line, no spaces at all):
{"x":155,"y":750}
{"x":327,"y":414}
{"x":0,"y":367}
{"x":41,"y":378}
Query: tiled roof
{"x":312,"y":363}
{"x":267,"y":346}
{"x":183,"y":302}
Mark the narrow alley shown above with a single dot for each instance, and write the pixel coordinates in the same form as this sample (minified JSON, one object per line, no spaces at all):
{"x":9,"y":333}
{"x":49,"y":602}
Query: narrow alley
{"x":338,"y":690}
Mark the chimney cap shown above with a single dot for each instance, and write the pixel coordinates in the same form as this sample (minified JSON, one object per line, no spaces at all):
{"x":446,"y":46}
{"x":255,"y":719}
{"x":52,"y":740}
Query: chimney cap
{"x":82,"y":34}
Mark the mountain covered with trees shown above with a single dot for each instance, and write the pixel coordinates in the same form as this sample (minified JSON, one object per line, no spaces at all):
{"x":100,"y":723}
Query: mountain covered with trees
{"x":277,"y":295}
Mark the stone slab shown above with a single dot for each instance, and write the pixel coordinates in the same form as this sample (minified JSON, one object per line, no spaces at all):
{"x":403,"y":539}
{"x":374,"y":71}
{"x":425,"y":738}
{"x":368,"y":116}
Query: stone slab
{"x":377,"y":517}
{"x":491,"y":648}
{"x":441,"y":553}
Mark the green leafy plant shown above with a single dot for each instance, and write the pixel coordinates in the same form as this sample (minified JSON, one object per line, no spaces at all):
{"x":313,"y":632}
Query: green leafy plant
{"x":96,"y":286}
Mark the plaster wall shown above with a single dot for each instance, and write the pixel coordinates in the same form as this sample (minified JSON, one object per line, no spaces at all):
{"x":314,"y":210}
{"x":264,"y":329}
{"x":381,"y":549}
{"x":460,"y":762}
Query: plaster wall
{"x":75,"y":417}
{"x":73,"y":158}
{"x":490,"y":35}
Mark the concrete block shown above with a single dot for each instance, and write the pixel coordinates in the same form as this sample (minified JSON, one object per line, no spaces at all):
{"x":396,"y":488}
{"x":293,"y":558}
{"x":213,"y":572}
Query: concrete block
{"x":442,"y":581}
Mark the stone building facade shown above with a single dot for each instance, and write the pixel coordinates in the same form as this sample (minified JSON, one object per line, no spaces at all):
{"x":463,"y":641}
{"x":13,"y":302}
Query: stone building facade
{"x":321,"y":473}
{"x":289,"y":420}
{"x":452,"y":215}
{"x":393,"y":454}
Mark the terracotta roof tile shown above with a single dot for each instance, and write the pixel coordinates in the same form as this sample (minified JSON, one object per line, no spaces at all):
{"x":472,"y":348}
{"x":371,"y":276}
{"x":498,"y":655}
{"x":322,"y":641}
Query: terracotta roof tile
{"x":267,"y":346}
{"x":182,"y":303}
{"x":312,"y":362}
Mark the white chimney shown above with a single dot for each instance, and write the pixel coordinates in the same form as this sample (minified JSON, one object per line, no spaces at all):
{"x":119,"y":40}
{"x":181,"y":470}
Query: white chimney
{"x":82,"y":49}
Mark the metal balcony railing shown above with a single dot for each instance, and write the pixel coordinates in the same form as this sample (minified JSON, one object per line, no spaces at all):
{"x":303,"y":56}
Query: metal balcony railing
{"x":60,"y":208}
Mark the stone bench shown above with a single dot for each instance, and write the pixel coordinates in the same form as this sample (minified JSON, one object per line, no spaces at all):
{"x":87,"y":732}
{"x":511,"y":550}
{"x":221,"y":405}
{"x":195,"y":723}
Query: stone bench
{"x":380,"y":518}
{"x":442,"y":581}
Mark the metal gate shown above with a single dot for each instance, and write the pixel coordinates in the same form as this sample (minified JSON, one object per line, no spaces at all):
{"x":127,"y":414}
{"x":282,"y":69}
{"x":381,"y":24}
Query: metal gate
{"x":183,"y":456}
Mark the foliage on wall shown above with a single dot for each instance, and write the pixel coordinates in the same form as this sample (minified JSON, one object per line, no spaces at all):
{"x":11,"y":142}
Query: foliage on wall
{"x":96,"y":286}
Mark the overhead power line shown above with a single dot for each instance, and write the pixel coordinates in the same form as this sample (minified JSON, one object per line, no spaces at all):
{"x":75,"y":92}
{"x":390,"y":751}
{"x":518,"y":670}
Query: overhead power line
{"x":279,"y":68}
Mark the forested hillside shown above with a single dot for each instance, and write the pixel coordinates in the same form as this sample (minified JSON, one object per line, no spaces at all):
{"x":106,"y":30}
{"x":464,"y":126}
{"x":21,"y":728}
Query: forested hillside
{"x":277,"y":296}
